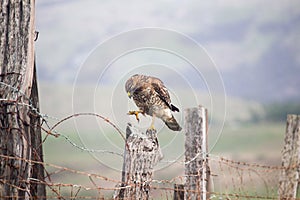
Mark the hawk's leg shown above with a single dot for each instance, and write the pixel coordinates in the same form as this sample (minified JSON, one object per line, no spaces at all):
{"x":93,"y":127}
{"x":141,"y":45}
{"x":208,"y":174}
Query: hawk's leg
{"x":136,"y":113}
{"x":152,"y":123}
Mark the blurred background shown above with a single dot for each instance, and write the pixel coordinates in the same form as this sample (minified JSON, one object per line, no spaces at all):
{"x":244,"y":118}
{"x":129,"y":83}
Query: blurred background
{"x":253,"y":53}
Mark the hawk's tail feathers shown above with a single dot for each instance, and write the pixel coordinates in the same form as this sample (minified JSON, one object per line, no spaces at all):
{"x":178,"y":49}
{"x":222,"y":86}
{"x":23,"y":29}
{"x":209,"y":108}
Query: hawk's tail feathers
{"x":174,"y":108}
{"x":172,"y":124}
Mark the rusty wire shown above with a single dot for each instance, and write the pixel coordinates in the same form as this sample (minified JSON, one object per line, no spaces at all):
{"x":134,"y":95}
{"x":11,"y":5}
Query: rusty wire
{"x":235,"y":176}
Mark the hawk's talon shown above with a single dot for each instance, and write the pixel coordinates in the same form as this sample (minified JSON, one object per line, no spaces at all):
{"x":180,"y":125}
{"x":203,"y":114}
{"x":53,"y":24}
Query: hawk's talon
{"x":136,"y":113}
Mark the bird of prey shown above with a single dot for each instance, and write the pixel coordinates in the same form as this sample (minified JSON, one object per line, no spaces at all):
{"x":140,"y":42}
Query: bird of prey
{"x":152,"y":98}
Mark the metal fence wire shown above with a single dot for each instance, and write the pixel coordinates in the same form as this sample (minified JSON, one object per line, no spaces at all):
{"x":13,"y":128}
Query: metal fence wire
{"x":229,"y":179}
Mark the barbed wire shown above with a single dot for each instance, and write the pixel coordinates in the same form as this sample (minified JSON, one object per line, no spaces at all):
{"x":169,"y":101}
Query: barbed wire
{"x":51,"y":129}
{"x":15,"y":90}
{"x":161,"y":184}
{"x":56,"y":133}
{"x":235,"y":175}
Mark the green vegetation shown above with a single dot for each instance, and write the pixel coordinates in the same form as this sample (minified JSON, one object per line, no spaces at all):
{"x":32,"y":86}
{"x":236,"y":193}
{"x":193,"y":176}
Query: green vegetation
{"x":252,"y":138}
{"x":278,"y":111}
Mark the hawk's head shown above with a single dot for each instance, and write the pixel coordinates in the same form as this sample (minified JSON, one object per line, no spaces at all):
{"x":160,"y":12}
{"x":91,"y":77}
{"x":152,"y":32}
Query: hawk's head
{"x":131,"y":85}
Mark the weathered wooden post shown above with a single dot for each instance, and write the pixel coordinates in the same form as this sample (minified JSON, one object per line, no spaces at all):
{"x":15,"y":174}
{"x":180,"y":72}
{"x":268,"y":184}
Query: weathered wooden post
{"x":196,"y":162}
{"x":20,"y":133}
{"x":142,"y":153}
{"x":178,"y":192}
{"x":289,"y":178}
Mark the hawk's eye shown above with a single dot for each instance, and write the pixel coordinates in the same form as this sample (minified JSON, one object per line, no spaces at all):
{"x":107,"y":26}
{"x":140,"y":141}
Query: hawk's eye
{"x":138,"y":90}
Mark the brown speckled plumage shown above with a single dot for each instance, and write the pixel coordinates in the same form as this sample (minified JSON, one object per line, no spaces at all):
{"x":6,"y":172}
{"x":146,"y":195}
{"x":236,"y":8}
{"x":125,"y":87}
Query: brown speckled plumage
{"x":152,"y":98}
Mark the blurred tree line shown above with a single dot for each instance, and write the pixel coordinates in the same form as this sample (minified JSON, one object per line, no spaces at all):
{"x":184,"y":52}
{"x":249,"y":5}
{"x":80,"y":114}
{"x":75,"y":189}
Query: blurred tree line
{"x":278,"y":111}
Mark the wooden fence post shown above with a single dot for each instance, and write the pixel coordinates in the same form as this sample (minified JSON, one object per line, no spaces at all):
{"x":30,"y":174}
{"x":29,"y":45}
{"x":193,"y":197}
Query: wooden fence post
{"x":178,"y":192}
{"x":289,"y":178}
{"x":196,"y":162}
{"x":142,"y":153}
{"x":20,"y":131}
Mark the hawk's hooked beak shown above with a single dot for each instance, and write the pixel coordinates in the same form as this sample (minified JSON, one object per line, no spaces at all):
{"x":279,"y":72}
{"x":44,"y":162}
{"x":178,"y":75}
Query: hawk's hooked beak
{"x":129,"y":95}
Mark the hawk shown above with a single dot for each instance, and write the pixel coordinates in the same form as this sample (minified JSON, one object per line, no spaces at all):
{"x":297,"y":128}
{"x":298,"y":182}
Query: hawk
{"x":152,"y":98}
